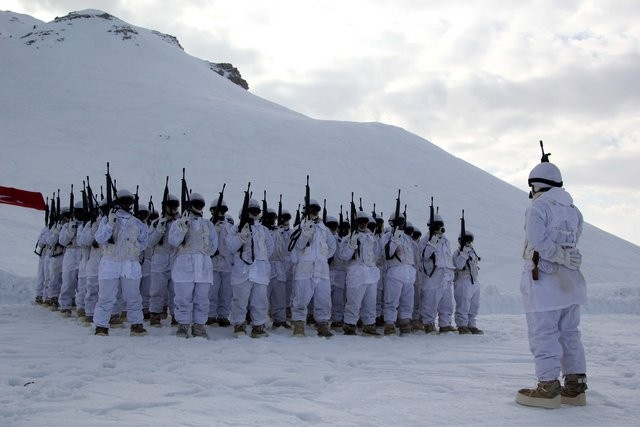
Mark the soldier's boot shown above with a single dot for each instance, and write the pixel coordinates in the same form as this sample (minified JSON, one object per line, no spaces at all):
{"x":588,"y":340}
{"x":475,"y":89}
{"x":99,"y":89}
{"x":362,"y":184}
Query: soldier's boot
{"x":115,"y":321}
{"x":349,"y":329}
{"x":103,"y":332}
{"x":429,"y":328}
{"x":137,"y":330}
{"x":416,"y":326}
{"x":223,"y":322}
{"x":546,"y":395}
{"x":298,"y":328}
{"x":88,"y":319}
{"x":337,"y":326}
{"x":155,"y":320}
{"x":183,"y":330}
{"x":53,"y":305}
{"x":370,"y":331}
{"x":199,"y":330}
{"x":463,"y":330}
{"x":404,"y":325}
{"x":258,"y":331}
{"x":65,"y":312}
{"x":446,"y":329}
{"x":323,"y":329}
{"x":239,"y":330}
{"x":389,"y":329}
{"x":212,"y":321}
{"x":476,"y":331}
{"x":39,"y":300}
{"x":282,"y":324}
{"x":573,"y":391}
{"x":80,"y":313}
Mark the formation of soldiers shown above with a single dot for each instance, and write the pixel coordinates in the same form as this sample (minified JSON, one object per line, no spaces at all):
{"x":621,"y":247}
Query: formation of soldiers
{"x":117,"y":260}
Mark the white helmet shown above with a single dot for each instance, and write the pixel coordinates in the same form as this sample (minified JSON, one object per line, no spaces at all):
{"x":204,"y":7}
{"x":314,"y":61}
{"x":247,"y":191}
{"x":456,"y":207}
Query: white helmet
{"x":545,"y":175}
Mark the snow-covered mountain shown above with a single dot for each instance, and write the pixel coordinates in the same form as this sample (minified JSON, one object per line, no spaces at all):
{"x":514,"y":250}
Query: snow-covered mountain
{"x":88,"y":88}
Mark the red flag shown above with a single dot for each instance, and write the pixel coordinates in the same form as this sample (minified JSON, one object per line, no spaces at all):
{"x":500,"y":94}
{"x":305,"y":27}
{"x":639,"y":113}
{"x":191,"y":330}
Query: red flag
{"x":26,"y":199}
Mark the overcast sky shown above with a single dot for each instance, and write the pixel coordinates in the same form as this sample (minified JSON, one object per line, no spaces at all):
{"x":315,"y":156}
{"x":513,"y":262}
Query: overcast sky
{"x":484,"y":80}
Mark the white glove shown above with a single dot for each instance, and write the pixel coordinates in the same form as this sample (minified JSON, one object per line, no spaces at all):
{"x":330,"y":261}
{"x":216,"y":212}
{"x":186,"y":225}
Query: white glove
{"x":112,"y":219}
{"x":353,"y":241}
{"x":467,"y":250}
{"x":183,"y":224}
{"x":245,"y":233}
{"x":161,"y":226}
{"x":307,"y":227}
{"x":570,"y":258}
{"x":433,"y":241}
{"x":73,"y":226}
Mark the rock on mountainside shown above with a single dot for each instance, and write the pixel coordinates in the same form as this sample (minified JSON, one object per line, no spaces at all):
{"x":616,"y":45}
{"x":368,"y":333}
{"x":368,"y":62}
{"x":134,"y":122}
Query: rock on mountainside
{"x":27,"y":29}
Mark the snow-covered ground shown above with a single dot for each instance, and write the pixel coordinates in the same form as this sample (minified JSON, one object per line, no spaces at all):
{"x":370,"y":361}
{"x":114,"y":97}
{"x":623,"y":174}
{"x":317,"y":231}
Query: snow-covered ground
{"x":54,"y":371}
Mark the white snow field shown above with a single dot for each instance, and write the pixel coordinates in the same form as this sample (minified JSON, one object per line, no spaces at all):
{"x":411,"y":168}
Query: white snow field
{"x":89,"y":88}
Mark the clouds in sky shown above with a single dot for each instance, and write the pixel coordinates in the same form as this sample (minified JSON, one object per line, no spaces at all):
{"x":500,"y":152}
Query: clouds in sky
{"x":484,"y":80}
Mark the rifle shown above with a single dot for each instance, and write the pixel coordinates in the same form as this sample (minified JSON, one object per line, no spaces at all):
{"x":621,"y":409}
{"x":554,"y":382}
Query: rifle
{"x":110,"y":189}
{"x":165,"y":197}
{"x":545,"y":157}
{"x":404,"y":213}
{"x":264,"y":219}
{"x":340,"y":217}
{"x":150,"y":206}
{"x":387,"y":249}
{"x":85,"y":200}
{"x":431,"y":219}
{"x":280,"y":212}
{"x":46,"y":213}
{"x":185,"y":200}
{"x":463,"y":233}
{"x":353,"y":215}
{"x":93,"y":211}
{"x":216,"y":212}
{"x":360,"y":207}
{"x":324,"y":211}
{"x":71,"y":203}
{"x":296,"y":221}
{"x":307,"y":198}
{"x":373,"y":212}
{"x":244,"y":213}
{"x":136,"y":202}
{"x":52,"y":211}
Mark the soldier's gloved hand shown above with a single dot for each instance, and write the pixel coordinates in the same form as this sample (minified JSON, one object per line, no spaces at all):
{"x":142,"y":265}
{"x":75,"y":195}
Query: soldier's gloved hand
{"x":467,"y":250}
{"x":112,"y":219}
{"x":161,"y":226}
{"x":307,"y":227}
{"x":183,"y":224}
{"x":245,"y":233}
{"x":433,"y":241}
{"x":73,"y":226}
{"x":569,"y":257}
{"x":353,"y":241}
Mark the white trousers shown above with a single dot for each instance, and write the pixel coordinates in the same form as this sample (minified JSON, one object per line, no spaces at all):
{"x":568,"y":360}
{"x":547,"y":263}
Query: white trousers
{"x":220,"y":295}
{"x":40,"y":282}
{"x":161,"y":291}
{"x":467,"y":296}
{"x":252,"y":295}
{"x":107,"y":298}
{"x":91,"y":297}
{"x":68,"y":289}
{"x":437,"y":302}
{"x":277,"y":292}
{"x":191,"y":303}
{"x":306,"y":290}
{"x":361,"y":303}
{"x":145,"y":291}
{"x":81,"y":292}
{"x":554,"y":341}
{"x":398,"y":299}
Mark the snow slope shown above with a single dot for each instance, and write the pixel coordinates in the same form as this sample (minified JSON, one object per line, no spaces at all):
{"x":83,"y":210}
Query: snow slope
{"x":89,"y":90}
